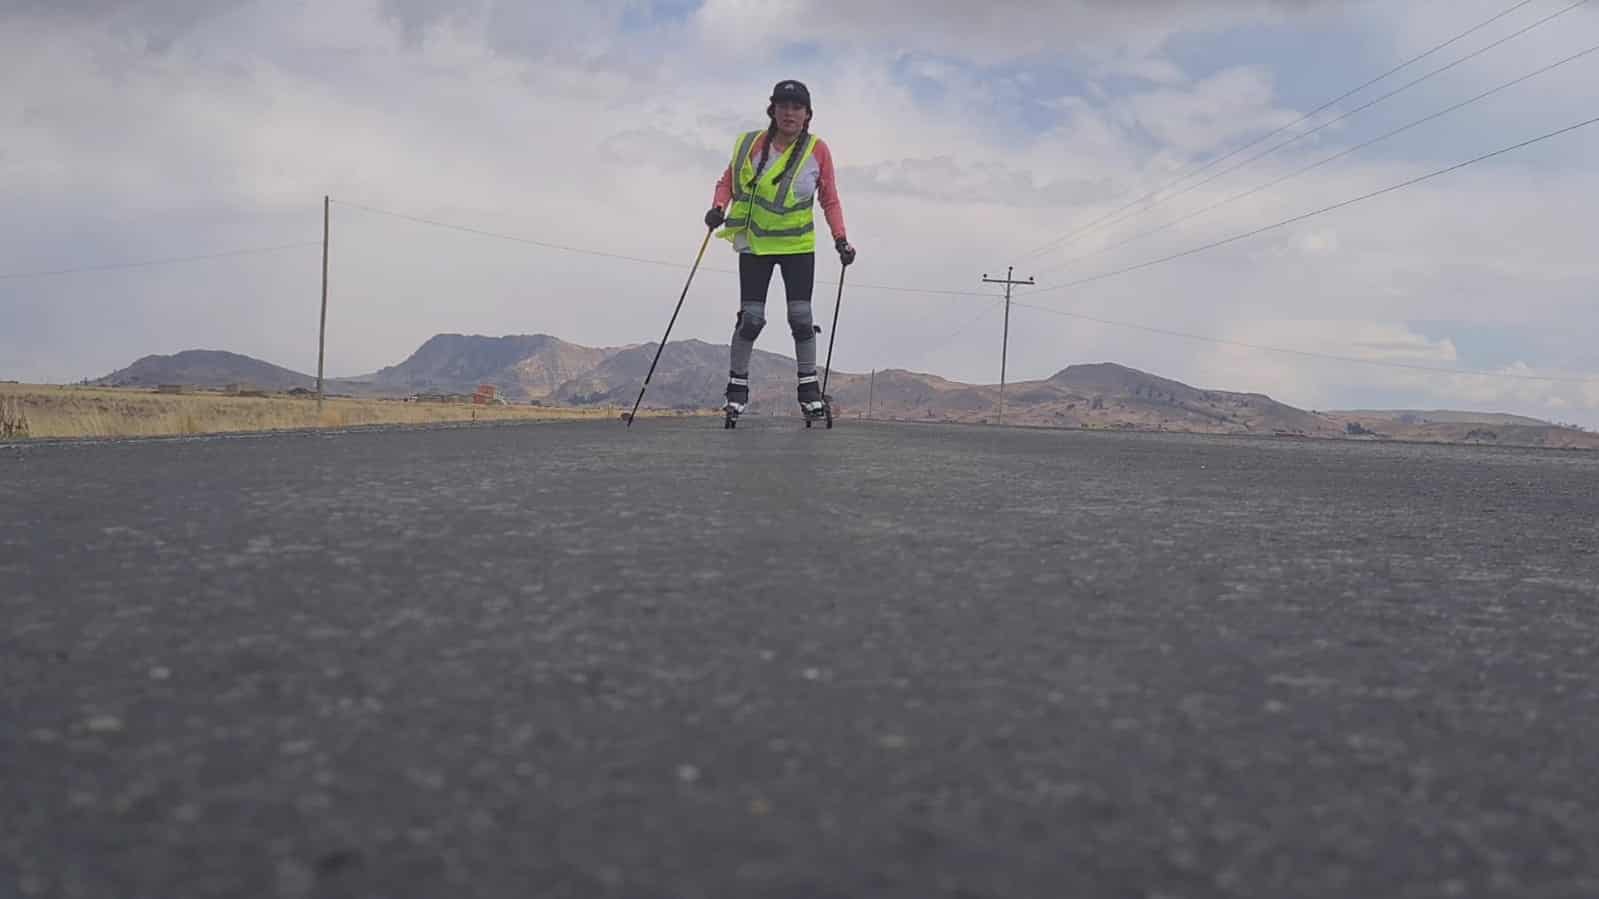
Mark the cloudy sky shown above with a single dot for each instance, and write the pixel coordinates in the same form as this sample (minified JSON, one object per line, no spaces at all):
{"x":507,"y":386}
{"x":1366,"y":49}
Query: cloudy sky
{"x":969,"y":136}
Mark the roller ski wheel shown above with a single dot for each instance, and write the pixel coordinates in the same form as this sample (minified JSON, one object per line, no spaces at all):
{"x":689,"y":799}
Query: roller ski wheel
{"x":730,"y":414}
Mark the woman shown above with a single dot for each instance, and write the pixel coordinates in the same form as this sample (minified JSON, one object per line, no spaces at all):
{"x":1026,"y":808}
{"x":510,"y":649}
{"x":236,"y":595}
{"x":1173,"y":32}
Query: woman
{"x":773,"y":182}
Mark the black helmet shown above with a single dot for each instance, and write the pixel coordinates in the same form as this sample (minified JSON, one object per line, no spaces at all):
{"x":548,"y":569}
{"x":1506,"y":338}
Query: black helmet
{"x":792,"y":92}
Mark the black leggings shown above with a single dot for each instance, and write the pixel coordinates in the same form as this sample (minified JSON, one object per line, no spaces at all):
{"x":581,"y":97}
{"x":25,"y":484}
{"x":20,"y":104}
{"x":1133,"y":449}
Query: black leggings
{"x":755,"y":278}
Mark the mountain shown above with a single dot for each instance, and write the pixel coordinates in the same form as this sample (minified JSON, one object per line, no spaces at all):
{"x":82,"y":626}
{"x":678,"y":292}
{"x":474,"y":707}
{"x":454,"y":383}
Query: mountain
{"x":1453,"y":426}
{"x":522,"y":366}
{"x":692,"y":374}
{"x":1102,"y":395}
{"x":1440,"y":416}
{"x":206,"y":368}
{"x":897,"y":393}
{"x":1172,"y":405}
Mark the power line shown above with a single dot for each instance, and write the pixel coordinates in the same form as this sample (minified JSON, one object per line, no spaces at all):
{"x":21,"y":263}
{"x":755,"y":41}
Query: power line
{"x":1307,"y":353}
{"x":1068,"y":237}
{"x":510,"y":237}
{"x":940,"y":344}
{"x":147,"y":263}
{"x":1333,"y":121}
{"x":1316,"y":165}
{"x":567,"y":248}
{"x":1325,"y":209}
{"x":1196,"y":250}
{"x":934,"y":346}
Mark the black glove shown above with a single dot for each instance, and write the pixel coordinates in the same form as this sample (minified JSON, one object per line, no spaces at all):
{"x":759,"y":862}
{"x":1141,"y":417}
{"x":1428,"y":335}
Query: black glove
{"x":846,"y":253}
{"x":714,"y":218}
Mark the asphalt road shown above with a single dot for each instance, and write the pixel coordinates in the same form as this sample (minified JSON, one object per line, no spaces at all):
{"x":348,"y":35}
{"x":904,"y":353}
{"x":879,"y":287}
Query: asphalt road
{"x":576,"y":660}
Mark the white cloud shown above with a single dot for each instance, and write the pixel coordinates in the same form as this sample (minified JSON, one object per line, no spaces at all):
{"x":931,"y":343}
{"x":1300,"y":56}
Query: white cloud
{"x":1120,"y":35}
{"x":1225,"y":108}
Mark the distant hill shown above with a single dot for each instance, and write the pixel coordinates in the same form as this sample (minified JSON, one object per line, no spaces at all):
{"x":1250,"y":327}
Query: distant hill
{"x":1102,"y":395}
{"x":1441,"y":416}
{"x":1461,"y":427}
{"x":206,"y":368}
{"x":522,"y":366}
{"x":693,"y":373}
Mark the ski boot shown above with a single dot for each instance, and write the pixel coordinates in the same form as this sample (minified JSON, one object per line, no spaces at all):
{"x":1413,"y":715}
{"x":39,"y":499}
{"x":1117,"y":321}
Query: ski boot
{"x":813,"y":405}
{"x":738,"y":399}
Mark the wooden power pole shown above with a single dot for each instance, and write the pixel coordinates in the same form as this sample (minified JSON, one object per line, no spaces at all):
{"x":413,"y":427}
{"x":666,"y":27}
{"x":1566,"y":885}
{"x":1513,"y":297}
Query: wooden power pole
{"x":322,"y":332}
{"x":1004,"y":348}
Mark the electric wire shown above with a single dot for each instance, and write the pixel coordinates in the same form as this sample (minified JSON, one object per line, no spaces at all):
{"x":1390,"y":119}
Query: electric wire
{"x":1169,"y":258}
{"x":567,"y":248}
{"x":149,"y":263}
{"x":1072,"y":235}
{"x":1316,"y":165}
{"x":1330,"y":122}
{"x":1316,"y":212}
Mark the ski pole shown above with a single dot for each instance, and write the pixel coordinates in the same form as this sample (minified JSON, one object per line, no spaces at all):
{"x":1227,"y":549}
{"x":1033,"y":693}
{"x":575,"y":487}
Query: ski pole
{"x":828,"y":371}
{"x":703,"y":244}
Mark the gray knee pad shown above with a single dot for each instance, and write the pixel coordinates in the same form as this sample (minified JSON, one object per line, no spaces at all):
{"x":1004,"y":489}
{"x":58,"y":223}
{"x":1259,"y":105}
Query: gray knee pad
{"x":750,"y":325}
{"x":803,"y":328}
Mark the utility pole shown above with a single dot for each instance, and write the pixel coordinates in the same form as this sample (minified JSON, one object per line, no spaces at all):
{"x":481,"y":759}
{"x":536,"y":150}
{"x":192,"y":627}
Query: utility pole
{"x":1004,"y":347}
{"x":322,"y":333}
{"x":871,"y":391}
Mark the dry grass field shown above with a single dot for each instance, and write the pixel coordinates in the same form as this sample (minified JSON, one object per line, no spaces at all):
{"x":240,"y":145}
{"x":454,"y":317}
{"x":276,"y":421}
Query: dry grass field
{"x":36,"y":411}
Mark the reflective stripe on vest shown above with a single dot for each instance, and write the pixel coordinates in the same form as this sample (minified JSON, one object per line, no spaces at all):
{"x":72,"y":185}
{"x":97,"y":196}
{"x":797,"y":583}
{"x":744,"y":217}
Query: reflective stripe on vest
{"x":768,"y":215}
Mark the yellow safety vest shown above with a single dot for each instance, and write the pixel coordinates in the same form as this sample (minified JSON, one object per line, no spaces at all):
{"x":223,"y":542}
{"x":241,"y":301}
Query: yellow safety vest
{"x":769,"y":217}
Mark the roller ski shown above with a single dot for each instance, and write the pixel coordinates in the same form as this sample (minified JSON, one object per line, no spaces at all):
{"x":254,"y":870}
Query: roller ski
{"x":814,"y":405}
{"x":738,"y":399}
{"x":818,"y":410}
